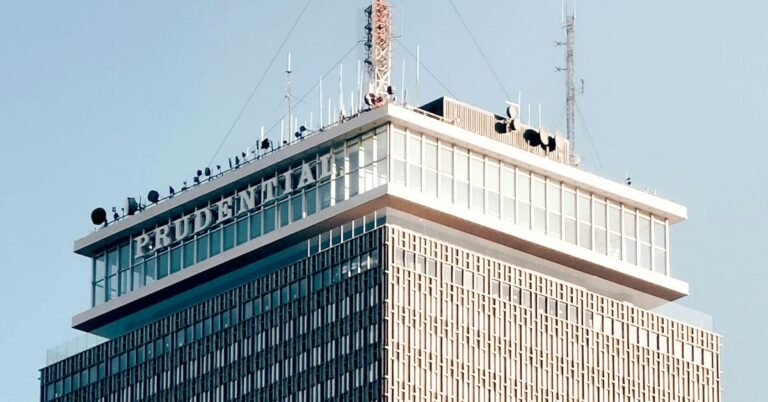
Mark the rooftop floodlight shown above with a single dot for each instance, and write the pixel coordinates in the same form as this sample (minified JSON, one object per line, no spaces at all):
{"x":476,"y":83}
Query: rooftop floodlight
{"x":196,"y":179}
{"x":171,"y":191}
{"x":208,"y":172}
{"x":265,"y":143}
{"x":199,"y":172}
{"x":237,"y":161}
{"x":532,"y":137}
{"x":230,"y":163}
{"x":99,"y":216}
{"x":131,"y":205}
{"x":115,"y":215}
{"x":153,"y":196}
{"x":552,"y":144}
{"x":218,"y":167}
{"x":184,"y":186}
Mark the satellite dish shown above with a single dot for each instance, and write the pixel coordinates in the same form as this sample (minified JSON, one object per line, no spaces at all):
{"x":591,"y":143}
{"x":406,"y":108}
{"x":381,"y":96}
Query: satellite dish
{"x":543,"y":139}
{"x":532,"y":137}
{"x":99,"y":216}
{"x":153,"y":196}
{"x":131,"y":206}
{"x":552,"y":144}
{"x":511,"y":112}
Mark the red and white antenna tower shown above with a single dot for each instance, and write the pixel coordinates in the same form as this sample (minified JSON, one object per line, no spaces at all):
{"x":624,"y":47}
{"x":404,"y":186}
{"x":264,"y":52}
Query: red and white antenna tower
{"x":379,"y":46}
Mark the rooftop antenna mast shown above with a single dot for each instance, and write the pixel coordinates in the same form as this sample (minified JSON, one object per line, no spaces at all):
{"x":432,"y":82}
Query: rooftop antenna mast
{"x":288,"y":96}
{"x":378,"y":43}
{"x":568,"y":20}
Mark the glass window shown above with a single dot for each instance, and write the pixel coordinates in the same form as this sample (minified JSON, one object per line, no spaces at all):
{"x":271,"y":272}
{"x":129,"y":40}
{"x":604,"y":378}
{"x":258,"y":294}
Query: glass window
{"x":284,"y":211}
{"x":162,"y":265}
{"x":508,"y":193}
{"x":269,"y":219}
{"x":310,"y":200}
{"x":601,"y":234}
{"x":630,"y":240}
{"x":100,"y":267}
{"x":215,"y":242}
{"x":523,"y":196}
{"x":477,"y":181}
{"x":189,"y":253}
{"x":644,"y":241}
{"x":297,"y":209}
{"x":255,"y":225}
{"x":585,"y":221}
{"x":241,"y":231}
{"x":446,"y":173}
{"x":414,"y":162}
{"x":112,"y":262}
{"x":202,"y":247}
{"x":229,"y":236}
{"x":614,"y":231}
{"x":99,"y":294}
{"x":175,"y":259}
{"x":150,"y":273}
{"x":539,"y":204}
{"x":553,"y":210}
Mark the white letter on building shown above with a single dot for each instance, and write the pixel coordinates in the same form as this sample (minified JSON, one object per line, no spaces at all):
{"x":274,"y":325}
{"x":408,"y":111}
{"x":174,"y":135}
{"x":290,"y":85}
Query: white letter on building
{"x":181,"y":229}
{"x":203,"y":219}
{"x":269,"y":189}
{"x":163,"y":237}
{"x":306,"y":176}
{"x":141,"y":243}
{"x":247,"y":200}
{"x":325,"y":167}
{"x":224,"y":207}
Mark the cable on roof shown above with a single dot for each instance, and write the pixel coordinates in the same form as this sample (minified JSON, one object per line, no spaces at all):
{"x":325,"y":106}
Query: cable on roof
{"x":477,"y":45}
{"x":431,"y":74}
{"x":330,"y":70}
{"x":258,"y":84}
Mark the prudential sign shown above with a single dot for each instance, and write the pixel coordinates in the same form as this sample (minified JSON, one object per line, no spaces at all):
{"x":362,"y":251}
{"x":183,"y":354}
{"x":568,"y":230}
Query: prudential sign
{"x":233,"y":206}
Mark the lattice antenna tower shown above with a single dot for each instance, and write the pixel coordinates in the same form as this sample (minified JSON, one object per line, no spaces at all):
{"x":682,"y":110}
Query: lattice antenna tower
{"x":378,"y":45}
{"x":569,"y":20}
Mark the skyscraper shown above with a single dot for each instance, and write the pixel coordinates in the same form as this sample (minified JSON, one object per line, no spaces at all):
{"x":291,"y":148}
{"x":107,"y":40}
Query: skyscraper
{"x":398,"y":254}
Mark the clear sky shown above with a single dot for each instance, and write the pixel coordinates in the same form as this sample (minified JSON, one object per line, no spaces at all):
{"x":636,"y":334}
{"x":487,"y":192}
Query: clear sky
{"x":105,"y":99}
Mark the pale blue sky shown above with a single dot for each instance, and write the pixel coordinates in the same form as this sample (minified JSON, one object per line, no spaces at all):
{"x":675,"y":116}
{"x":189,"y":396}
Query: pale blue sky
{"x":105,"y":99}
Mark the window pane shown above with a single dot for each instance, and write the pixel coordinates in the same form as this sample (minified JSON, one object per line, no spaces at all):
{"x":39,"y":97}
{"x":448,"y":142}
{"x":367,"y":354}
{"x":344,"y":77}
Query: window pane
{"x":241,"y":231}
{"x":229,"y":236}
{"x":310,"y":200}
{"x":269,"y":219}
{"x":398,"y":144}
{"x":215,"y":244}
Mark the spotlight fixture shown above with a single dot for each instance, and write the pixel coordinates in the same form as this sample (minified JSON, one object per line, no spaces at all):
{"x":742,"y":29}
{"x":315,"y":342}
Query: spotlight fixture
{"x":153,"y":196}
{"x":99,"y":216}
{"x":171,"y":191}
{"x":131,"y":205}
{"x":115,"y":215}
{"x":208,"y":172}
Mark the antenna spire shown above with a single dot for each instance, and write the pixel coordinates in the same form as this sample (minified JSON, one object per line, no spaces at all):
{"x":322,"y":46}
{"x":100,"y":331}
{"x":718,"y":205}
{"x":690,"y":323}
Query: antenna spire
{"x":288,"y":95}
{"x":569,"y":19}
{"x":379,"y":46}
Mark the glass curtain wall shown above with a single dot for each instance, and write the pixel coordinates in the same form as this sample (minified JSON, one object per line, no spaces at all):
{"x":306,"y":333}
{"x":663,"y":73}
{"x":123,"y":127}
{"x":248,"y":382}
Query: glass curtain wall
{"x":512,"y":194}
